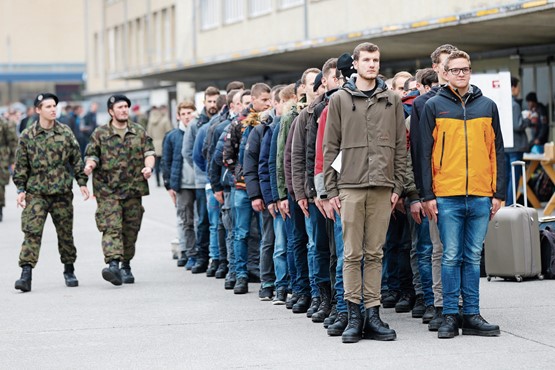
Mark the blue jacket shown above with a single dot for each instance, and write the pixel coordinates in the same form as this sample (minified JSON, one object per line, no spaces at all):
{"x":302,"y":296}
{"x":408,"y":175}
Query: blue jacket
{"x":189,"y":144}
{"x":251,"y":158}
{"x":172,"y":160}
{"x":272,"y":162}
{"x":264,"y":166}
{"x":217,"y":173}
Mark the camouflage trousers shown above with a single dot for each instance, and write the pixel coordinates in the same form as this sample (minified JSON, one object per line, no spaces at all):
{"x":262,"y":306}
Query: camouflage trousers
{"x":60,"y":208}
{"x":119,"y":221}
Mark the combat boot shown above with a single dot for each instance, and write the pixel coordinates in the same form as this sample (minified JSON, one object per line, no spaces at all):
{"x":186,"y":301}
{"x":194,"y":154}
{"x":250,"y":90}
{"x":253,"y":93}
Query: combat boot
{"x":24,"y":283}
{"x":324,"y":309}
{"x":69,"y":275}
{"x":338,"y":327}
{"x":222,"y":270}
{"x":112,"y":273}
{"x":182,"y":259}
{"x":126,"y":274}
{"x":353,"y":331}
{"x":212,"y":268}
{"x":375,"y":328}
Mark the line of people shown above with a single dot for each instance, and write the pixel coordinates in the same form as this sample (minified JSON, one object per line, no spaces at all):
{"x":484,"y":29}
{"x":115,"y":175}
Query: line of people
{"x":339,"y":193}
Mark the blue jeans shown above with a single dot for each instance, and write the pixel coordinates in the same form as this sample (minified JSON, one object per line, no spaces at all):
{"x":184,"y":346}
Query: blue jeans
{"x":300,"y":250}
{"x":214,"y":219}
{"x":243,"y":218}
{"x":463,"y":224}
{"x":291,"y":267}
{"x":280,"y":253}
{"x":397,"y":272}
{"x":424,"y":249}
{"x":509,"y":158}
{"x":203,"y":232}
{"x":311,"y":257}
{"x":321,"y":245}
{"x":341,"y":306}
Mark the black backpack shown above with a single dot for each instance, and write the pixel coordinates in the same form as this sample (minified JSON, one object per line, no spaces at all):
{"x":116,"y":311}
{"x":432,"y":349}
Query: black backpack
{"x":547,"y":241}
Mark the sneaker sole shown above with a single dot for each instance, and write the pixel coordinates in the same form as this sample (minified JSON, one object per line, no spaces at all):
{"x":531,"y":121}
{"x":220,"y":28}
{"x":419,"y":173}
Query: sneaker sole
{"x":481,"y":333}
{"x":265,"y":299}
{"x":111,"y":277}
{"x":278,"y":303}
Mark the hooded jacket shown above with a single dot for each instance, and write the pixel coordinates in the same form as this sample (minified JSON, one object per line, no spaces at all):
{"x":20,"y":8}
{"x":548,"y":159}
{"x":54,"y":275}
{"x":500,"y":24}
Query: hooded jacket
{"x":461,"y":146}
{"x":370,"y":133}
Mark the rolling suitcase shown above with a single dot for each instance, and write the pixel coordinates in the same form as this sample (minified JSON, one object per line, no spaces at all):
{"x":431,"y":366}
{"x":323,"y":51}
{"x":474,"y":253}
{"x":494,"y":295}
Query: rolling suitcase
{"x":512,"y":247}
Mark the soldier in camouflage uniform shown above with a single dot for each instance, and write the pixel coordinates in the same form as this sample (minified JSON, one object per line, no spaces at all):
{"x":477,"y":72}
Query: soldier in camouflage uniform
{"x":8,"y":143}
{"x":121,"y":157}
{"x":44,"y":186}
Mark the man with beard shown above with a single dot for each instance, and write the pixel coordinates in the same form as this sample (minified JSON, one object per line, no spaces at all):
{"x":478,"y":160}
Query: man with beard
{"x":120,"y":156}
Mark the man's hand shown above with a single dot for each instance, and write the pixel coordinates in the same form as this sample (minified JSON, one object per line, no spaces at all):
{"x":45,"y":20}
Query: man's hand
{"x":278,"y":209}
{"x":173,"y":196}
{"x":89,"y":167}
{"x":84,"y":192}
{"x":329,"y":212}
{"x":272,"y":209}
{"x":303,"y":204}
{"x":318,"y":204}
{"x":495,"y":205}
{"x":400,"y":206}
{"x":258,"y":205}
{"x":416,"y":210}
{"x":219,"y":195}
{"x":430,"y":208}
{"x":336,"y":204}
{"x":394,"y":200}
{"x":284,"y":207}
{"x":21,"y":200}
{"x":147,"y":172}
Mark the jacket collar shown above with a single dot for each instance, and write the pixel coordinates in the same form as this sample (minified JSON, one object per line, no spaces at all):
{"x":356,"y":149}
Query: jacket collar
{"x":130,"y":128}
{"x":38,"y":129}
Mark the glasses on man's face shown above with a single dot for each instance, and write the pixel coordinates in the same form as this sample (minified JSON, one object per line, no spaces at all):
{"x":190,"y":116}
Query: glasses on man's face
{"x":457,"y":71}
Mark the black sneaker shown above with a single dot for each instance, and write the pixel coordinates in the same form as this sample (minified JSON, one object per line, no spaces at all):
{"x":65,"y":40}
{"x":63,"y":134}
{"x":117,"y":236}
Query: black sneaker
{"x":428,"y":314}
{"x":419,"y":307}
{"x":281,"y":297}
{"x":266,"y":294}
{"x":390,"y":299}
{"x":290,"y":302}
{"x":241,"y":286}
{"x":405,"y":303}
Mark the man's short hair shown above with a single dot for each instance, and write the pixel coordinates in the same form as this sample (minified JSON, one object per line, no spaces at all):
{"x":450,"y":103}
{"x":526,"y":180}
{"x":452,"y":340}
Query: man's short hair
{"x":427,"y":77}
{"x":398,"y":75}
{"x":514,"y":81}
{"x":532,"y":96}
{"x":365,"y":46}
{"x":186,"y":105}
{"x":407,"y":83}
{"x":246,"y":92}
{"x":234,"y":85}
{"x":305,"y":73}
{"x":211,"y":91}
{"x":456,"y":54}
{"x":275,"y":92}
{"x":230,"y":95}
{"x":297,"y":84}
{"x":329,"y":65}
{"x":443,"y":49}
{"x":220,"y":102}
{"x":288,"y":92}
{"x":260,"y":88}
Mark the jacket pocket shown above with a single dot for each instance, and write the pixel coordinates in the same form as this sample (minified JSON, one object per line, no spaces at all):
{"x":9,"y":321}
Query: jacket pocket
{"x":442,"y":150}
{"x":383,"y":167}
{"x":354,"y":165}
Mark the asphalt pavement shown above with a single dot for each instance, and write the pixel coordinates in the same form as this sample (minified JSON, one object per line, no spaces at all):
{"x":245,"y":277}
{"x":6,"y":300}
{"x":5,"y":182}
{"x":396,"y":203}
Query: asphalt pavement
{"x":171,"y":319}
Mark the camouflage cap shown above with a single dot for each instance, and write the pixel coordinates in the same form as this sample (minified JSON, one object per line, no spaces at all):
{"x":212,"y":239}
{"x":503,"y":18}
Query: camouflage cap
{"x":117,"y":98}
{"x":43,"y":96}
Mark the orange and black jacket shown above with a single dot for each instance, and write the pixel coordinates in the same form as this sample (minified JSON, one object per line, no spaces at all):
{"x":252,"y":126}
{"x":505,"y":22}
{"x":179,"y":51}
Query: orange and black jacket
{"x":461,"y":150}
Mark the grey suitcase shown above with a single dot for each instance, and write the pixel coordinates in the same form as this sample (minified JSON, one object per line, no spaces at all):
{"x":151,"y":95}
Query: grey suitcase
{"x":512,"y":247}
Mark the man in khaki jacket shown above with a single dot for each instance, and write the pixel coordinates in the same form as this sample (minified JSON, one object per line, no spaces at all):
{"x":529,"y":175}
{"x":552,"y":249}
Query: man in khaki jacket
{"x":366,"y":129}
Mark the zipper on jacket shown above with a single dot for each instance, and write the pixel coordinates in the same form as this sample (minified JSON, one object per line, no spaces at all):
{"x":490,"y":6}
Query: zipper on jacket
{"x":442,"y":151}
{"x":465,"y":139}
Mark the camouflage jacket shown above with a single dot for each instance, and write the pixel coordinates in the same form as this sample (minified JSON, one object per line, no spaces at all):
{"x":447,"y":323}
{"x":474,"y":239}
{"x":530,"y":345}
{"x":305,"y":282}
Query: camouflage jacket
{"x":8,"y":144}
{"x":119,"y":161}
{"x":43,"y":160}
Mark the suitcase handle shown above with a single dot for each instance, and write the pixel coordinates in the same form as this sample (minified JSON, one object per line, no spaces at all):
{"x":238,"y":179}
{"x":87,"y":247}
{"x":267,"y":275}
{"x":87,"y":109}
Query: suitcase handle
{"x":523,"y":165}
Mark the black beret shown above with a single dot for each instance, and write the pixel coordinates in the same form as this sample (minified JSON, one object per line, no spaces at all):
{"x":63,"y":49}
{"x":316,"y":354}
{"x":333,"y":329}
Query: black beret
{"x":117,"y":98}
{"x":40,"y":97}
{"x":317,"y":82}
{"x":345,"y":65}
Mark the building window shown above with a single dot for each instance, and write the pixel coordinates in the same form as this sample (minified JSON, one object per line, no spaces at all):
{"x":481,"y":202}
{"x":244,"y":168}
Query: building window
{"x":96,"y":56}
{"x":234,"y":11}
{"x":209,"y":14}
{"x":140,"y":40}
{"x":111,"y":50}
{"x":286,"y":4}
{"x":259,"y":7}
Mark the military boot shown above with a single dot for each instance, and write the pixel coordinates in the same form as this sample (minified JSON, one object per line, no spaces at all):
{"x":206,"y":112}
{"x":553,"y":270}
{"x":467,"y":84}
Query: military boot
{"x":24,"y":283}
{"x":222,"y":270}
{"x":339,"y":325}
{"x":314,"y":304}
{"x":353,"y":331}
{"x":212,"y":268}
{"x":126,"y":274}
{"x":331,"y":318}
{"x":375,"y":328}
{"x":324,"y":309}
{"x":112,"y":273}
{"x":182,"y":259}
{"x":69,"y":275}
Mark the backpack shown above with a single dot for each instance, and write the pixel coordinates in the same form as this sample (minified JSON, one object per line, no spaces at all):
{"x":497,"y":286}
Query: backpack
{"x":547,"y":245}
